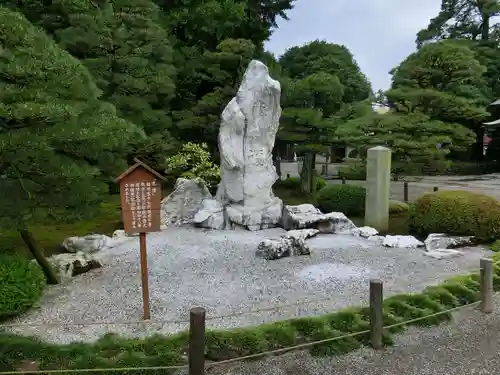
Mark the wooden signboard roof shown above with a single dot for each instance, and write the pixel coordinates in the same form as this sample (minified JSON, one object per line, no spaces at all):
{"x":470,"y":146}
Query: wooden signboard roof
{"x":138,"y":164}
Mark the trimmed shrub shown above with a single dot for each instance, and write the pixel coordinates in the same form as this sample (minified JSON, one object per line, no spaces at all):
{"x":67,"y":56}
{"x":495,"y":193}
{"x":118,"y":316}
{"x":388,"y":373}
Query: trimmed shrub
{"x":349,"y":199}
{"x":21,"y":285}
{"x":458,"y":213}
{"x":398,"y":207}
{"x":353,"y":170}
{"x":293,"y":183}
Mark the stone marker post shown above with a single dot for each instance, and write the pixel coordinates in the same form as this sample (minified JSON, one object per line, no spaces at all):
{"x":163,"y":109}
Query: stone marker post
{"x":378,"y":182}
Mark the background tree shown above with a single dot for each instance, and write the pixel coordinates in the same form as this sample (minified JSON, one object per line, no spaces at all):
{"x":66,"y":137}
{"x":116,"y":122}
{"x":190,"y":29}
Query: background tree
{"x":215,"y":79}
{"x":320,"y":56}
{"x":206,"y":23}
{"x":308,"y":103}
{"x":325,"y":88}
{"x":462,"y":19}
{"x":58,"y":141}
{"x":414,"y":138}
{"x":128,"y":54}
{"x":445,"y":82}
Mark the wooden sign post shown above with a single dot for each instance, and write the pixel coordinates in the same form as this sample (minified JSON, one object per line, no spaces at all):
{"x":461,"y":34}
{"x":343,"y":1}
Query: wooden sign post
{"x":140,"y":191}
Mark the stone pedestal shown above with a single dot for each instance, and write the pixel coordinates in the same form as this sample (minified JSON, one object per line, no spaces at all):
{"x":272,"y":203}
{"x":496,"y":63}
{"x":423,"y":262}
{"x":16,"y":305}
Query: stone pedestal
{"x":378,"y":184}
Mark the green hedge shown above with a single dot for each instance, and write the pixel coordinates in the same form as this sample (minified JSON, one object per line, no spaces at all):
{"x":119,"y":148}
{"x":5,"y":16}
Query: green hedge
{"x":398,"y":207}
{"x":353,"y":170}
{"x":293,"y":183}
{"x":112,"y":351}
{"x":21,"y":285}
{"x":348,"y":199}
{"x":456,"y":212}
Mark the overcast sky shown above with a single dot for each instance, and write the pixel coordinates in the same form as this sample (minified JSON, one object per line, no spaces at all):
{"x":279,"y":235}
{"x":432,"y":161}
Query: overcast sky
{"x":379,"y":33}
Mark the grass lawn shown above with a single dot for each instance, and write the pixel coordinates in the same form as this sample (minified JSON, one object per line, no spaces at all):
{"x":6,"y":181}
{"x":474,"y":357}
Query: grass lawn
{"x":49,"y":237}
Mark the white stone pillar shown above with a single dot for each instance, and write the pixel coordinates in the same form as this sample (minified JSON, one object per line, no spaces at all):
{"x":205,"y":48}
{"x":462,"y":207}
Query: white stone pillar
{"x":378,"y":184}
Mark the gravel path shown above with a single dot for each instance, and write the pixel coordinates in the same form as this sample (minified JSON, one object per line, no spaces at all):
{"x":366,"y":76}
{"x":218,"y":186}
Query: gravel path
{"x":469,"y":345}
{"x":219,"y":271}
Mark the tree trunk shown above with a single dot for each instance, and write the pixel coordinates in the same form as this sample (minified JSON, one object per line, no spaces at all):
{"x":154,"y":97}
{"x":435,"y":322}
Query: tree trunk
{"x":307,"y":175}
{"x":30,"y":242}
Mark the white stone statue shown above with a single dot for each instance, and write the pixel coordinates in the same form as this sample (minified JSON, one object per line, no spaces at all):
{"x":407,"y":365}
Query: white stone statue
{"x":247,"y":133}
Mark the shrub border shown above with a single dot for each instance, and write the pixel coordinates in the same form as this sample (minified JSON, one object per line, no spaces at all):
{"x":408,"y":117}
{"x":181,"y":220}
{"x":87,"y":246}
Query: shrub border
{"x":112,"y":351}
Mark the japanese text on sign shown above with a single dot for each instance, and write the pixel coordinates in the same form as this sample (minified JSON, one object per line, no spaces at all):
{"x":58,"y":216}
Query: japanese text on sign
{"x":138,"y":198}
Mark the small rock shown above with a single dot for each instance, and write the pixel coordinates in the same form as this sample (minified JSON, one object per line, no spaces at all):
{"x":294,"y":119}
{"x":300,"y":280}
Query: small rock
{"x":87,"y":244}
{"x":69,"y":265}
{"x":211,"y":215}
{"x":442,"y":241}
{"x":306,"y":216}
{"x":365,"y":232}
{"x":301,"y":234}
{"x":442,"y":253}
{"x":402,"y":242}
{"x":272,"y":249}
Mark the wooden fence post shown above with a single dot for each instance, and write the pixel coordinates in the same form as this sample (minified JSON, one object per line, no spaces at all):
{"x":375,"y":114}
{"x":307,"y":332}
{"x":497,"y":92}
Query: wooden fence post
{"x":486,"y":280}
{"x":343,"y":181}
{"x":376,"y":314}
{"x":405,"y":191}
{"x":196,"y":353}
{"x":436,"y":188}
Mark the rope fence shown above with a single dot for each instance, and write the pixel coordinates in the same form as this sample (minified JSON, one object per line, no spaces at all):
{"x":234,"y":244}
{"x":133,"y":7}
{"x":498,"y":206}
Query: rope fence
{"x":197,"y":322}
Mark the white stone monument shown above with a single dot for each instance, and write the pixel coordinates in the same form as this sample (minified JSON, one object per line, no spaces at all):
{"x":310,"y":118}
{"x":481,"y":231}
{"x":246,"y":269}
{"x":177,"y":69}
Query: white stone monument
{"x":249,"y":124}
{"x":378,"y":184}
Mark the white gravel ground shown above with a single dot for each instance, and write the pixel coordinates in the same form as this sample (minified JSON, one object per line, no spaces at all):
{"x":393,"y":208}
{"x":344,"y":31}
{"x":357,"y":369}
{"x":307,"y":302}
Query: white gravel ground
{"x":219,"y":270}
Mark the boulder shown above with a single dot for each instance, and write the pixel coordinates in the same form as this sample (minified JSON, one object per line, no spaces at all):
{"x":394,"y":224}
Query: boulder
{"x":306,"y":216}
{"x":89,"y":244}
{"x":402,"y":242}
{"x":69,"y":265}
{"x":211,"y":215}
{"x":365,"y":232}
{"x":437,"y":241}
{"x":272,"y":249}
{"x":301,"y":234}
{"x":181,"y":206}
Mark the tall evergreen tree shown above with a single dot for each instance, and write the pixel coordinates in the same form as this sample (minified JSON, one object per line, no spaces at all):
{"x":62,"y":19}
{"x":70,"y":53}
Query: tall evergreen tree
{"x":128,"y":53}
{"x":58,"y":141}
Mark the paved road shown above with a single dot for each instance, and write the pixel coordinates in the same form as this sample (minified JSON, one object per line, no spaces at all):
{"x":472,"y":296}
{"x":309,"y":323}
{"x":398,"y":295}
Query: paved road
{"x":469,"y":345}
{"x":487,"y":184}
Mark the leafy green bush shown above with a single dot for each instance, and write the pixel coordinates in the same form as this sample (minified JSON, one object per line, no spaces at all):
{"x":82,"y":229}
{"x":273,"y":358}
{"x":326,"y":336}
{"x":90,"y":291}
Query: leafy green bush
{"x":353,"y":170}
{"x":495,"y":246}
{"x":193,"y":161}
{"x":349,"y":199}
{"x":293,"y":183}
{"x":398,"y":207}
{"x":21,"y":285}
{"x":458,"y":213}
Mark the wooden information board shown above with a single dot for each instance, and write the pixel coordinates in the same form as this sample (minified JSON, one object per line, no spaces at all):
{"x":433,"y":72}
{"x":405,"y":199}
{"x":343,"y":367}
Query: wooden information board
{"x":140,"y":191}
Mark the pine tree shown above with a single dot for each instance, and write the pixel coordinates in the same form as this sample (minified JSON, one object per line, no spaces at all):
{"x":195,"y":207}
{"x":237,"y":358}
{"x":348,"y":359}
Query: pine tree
{"x":127,"y":52}
{"x":58,"y":141}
